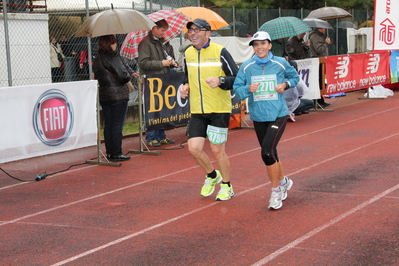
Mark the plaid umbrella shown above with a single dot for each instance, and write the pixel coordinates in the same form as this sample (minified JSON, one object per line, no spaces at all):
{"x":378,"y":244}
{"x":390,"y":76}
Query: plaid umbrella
{"x":284,"y":27}
{"x":176,"y":20}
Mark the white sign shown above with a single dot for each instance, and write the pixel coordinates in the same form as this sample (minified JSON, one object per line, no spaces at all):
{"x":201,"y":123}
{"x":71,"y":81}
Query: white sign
{"x":43,"y":119}
{"x":386,"y":25}
{"x":308,"y":70}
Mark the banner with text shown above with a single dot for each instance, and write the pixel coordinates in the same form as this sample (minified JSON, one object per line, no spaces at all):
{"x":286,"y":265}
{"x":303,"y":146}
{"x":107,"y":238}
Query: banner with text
{"x":308,"y":70}
{"x":48,"y":118}
{"x":163,"y":106}
{"x":386,"y":23}
{"x":356,"y":71}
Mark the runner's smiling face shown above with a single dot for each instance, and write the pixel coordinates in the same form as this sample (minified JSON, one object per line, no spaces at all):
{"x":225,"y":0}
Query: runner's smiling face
{"x":198,"y":36}
{"x":262,"y":48}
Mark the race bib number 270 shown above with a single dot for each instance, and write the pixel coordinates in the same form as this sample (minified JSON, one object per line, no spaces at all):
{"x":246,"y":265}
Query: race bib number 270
{"x":217,"y":135}
{"x":266,"y":89}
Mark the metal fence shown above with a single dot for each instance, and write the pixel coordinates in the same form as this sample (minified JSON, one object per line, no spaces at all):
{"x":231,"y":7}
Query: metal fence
{"x":28,"y":26}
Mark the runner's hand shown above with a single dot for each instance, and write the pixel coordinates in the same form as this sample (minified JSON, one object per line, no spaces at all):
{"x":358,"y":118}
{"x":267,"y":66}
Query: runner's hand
{"x":184,"y":90}
{"x":253,"y":87}
{"x":213,"y":82}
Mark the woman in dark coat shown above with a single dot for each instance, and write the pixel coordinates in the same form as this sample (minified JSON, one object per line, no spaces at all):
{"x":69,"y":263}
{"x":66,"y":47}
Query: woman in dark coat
{"x":112,"y":77}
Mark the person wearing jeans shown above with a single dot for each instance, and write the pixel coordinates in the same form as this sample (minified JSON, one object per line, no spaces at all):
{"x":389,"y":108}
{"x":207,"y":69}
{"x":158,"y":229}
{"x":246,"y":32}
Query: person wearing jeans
{"x":153,"y":60}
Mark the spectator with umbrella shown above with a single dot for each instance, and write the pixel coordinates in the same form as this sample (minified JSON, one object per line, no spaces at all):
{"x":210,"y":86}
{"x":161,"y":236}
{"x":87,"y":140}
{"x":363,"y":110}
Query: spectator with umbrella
{"x":112,"y":77}
{"x":296,"y":47}
{"x":153,"y":59}
{"x":319,"y":48}
{"x":111,"y":73}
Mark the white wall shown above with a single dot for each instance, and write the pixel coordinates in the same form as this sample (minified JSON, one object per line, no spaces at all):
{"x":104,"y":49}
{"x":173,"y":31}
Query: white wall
{"x":29,"y":49}
{"x":351,"y":40}
{"x":62,"y":5}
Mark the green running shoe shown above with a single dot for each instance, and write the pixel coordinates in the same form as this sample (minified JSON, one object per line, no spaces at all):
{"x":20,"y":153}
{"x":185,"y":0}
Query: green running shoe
{"x":209,"y":184}
{"x":225,"y":192}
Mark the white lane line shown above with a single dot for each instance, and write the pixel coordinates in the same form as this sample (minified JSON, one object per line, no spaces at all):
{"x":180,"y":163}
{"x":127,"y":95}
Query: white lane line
{"x":243,"y":192}
{"x":93,"y":197}
{"x":321,"y":228}
{"x":132,"y":235}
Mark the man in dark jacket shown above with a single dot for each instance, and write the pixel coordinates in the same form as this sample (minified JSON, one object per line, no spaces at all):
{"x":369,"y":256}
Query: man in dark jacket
{"x":153,"y":60}
{"x":319,"y":48}
{"x":296,"y":47}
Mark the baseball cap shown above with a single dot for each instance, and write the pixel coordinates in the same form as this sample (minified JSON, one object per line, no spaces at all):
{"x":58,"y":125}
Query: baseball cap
{"x":260,"y":36}
{"x":200,"y":23}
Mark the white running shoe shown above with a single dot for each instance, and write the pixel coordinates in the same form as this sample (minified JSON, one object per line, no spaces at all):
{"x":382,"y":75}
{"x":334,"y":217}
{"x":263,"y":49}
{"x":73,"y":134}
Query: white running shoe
{"x":276,"y":201}
{"x":291,"y":116}
{"x":287,"y":186}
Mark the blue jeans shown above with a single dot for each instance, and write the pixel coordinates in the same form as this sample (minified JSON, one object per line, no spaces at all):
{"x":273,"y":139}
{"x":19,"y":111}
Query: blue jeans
{"x":155,"y":135}
{"x":114,"y":113}
{"x":305,"y":104}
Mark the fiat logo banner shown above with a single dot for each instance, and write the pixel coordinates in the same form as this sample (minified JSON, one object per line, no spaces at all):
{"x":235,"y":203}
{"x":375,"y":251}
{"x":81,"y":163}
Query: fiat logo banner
{"x":53,"y":117}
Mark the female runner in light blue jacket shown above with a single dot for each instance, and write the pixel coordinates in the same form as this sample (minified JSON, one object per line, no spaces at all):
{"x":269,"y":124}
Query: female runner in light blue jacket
{"x":263,"y":79}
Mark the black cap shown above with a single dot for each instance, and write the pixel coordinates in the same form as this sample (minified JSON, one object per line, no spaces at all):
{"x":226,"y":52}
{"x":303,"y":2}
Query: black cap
{"x":200,"y":23}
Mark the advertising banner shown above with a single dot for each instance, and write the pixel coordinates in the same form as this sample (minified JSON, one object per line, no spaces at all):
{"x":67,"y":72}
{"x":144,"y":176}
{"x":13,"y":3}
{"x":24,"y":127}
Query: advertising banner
{"x":308,"y":70}
{"x":386,"y":23}
{"x":357,"y":71}
{"x":48,"y":118}
{"x":394,"y":66}
{"x":163,"y":106}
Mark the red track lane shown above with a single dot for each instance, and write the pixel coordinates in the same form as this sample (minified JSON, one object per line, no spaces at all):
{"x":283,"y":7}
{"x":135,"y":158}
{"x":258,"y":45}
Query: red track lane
{"x":343,"y":208}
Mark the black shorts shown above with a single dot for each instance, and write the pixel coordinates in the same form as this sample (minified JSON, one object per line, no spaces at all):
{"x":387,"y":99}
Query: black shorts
{"x":199,"y":123}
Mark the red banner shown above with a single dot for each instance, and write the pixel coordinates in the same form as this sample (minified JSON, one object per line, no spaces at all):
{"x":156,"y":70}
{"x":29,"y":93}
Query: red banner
{"x":357,"y":71}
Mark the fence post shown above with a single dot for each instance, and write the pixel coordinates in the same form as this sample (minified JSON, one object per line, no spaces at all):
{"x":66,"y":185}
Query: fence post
{"x":7,"y":39}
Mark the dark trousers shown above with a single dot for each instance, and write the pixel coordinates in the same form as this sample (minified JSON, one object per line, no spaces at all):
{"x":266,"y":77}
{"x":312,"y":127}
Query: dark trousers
{"x":305,"y":104}
{"x":71,"y":65}
{"x":56,"y":74}
{"x":269,"y":135}
{"x":114,"y":114}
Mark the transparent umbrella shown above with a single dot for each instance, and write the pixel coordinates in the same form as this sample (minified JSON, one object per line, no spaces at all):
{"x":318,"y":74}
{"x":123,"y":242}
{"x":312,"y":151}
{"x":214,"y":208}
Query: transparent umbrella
{"x":317,"y":23}
{"x":346,"y":24}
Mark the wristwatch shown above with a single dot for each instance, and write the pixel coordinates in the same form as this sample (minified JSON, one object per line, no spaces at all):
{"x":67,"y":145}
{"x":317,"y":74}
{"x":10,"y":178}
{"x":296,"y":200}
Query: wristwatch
{"x":287,"y":85}
{"x":222,"y":80}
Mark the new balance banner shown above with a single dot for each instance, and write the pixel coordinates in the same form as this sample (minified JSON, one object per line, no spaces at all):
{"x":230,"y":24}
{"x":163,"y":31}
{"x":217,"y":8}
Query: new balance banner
{"x":163,"y":106}
{"x":386,"y":25}
{"x":352,"y":72}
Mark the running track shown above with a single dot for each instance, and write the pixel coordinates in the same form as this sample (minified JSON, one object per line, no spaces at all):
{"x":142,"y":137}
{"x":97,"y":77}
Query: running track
{"x":342,"y":210}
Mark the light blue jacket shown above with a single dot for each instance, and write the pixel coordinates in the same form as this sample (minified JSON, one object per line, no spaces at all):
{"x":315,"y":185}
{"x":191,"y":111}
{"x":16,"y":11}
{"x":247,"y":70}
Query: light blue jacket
{"x":267,"y":110}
